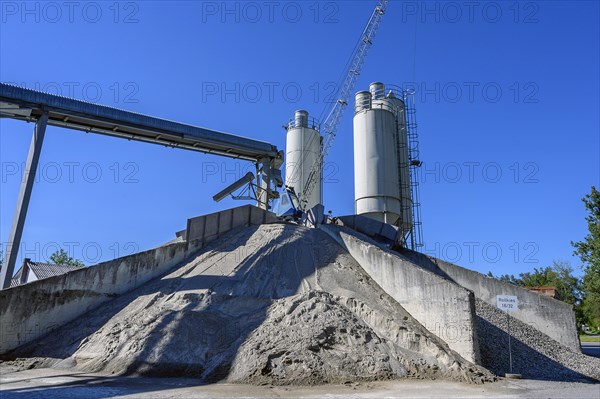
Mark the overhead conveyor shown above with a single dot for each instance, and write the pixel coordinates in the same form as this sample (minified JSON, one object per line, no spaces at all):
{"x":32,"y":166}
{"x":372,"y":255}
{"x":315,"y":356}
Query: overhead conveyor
{"x":48,"y":109}
{"x":28,"y":105}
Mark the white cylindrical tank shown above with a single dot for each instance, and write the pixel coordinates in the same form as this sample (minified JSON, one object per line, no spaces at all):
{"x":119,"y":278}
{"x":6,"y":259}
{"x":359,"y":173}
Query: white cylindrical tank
{"x":377,"y":188}
{"x":303,"y":147}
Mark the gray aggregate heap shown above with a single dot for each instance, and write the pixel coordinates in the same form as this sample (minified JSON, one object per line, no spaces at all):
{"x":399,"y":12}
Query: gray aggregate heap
{"x":274,"y":304}
{"x":535,"y":355}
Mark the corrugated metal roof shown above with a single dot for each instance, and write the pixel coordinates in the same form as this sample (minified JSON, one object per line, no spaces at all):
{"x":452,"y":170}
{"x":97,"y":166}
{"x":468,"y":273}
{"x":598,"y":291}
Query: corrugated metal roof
{"x":45,"y":270}
{"x":40,"y":270}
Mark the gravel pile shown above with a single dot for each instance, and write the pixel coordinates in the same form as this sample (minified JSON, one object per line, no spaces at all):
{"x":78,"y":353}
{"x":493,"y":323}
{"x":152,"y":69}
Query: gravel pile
{"x":535,"y":355}
{"x":274,"y":304}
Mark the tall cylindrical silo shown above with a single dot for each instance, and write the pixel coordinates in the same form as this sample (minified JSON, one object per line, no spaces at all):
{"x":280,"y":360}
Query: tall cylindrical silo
{"x":376,"y":189}
{"x":303,"y":147}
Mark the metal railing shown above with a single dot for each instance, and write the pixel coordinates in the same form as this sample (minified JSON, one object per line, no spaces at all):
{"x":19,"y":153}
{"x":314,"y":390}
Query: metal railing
{"x":309,"y":122}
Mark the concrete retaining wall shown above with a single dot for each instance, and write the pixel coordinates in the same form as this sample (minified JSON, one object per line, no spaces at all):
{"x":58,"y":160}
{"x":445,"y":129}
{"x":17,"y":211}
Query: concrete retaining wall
{"x":444,"y":308}
{"x":32,"y":310}
{"x":29,"y":311}
{"x":554,"y":318}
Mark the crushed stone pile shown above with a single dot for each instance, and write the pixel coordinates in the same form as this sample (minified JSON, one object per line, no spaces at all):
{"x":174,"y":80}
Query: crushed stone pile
{"x":535,"y":355}
{"x":270,"y":304}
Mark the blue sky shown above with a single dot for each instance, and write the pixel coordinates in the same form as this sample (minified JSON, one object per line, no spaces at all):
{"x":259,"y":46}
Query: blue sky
{"x":507,"y":101}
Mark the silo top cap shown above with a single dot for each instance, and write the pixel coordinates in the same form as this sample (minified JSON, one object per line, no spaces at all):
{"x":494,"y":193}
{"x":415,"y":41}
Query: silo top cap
{"x":377,"y":90}
{"x":362,"y":101}
{"x":301,"y":118}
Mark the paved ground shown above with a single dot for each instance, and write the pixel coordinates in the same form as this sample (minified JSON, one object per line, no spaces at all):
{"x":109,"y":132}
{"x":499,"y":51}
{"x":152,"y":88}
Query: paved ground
{"x":591,"y":348}
{"x":54,"y":383}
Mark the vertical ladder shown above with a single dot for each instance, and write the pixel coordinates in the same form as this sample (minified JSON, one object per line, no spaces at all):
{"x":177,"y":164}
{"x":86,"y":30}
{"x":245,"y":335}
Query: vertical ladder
{"x":416,"y":236}
{"x":403,"y":164}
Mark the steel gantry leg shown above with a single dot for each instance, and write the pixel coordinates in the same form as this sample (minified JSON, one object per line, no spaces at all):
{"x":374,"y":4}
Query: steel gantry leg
{"x":16,"y":230}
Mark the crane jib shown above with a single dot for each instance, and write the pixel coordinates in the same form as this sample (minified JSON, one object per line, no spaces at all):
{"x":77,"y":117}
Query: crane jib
{"x":334,"y":117}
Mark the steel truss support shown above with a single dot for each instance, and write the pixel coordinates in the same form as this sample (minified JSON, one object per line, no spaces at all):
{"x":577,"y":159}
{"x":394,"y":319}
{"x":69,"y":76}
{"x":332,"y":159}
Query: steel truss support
{"x":16,"y":230}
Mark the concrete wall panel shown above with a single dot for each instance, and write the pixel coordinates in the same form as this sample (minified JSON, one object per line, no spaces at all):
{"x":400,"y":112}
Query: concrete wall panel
{"x":204,"y":229}
{"x":552,"y":317}
{"x":444,"y":308}
{"x":35,"y":309}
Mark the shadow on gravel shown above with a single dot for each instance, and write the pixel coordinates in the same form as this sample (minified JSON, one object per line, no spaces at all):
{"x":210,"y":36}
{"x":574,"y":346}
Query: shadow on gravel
{"x":527,"y":361}
{"x":64,"y":341}
{"x":201,"y":344}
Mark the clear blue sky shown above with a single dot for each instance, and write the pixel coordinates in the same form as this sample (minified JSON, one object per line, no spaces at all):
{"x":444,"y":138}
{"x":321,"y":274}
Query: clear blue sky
{"x":504,"y":87}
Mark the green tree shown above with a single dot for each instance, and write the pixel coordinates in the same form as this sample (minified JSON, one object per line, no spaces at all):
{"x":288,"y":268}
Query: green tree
{"x":61,"y":257}
{"x":507,"y":278}
{"x":588,"y":251}
{"x":559,"y":275}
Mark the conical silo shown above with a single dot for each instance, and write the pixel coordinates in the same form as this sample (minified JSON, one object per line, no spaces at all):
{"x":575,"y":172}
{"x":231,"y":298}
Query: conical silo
{"x":303,"y":147}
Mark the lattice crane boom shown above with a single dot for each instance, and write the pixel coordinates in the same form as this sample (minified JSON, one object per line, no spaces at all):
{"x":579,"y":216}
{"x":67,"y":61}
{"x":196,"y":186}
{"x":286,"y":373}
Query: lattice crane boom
{"x":334,"y":117}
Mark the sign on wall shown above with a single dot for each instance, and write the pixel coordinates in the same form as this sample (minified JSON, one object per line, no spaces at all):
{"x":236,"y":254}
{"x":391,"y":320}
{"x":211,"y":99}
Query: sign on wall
{"x":507,"y":303}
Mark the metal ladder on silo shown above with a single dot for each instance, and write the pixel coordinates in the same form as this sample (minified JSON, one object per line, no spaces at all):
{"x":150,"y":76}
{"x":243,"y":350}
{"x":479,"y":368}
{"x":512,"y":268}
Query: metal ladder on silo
{"x":414,"y":163}
{"x":403,"y":185}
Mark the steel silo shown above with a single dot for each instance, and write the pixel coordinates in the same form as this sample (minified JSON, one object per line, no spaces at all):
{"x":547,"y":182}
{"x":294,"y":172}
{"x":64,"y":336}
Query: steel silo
{"x":303,"y":147}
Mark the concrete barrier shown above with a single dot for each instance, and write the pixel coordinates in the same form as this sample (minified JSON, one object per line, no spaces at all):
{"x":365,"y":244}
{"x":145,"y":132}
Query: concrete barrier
{"x":32,"y":310}
{"x":204,"y":229}
{"x":552,"y":317}
{"x":444,"y":308}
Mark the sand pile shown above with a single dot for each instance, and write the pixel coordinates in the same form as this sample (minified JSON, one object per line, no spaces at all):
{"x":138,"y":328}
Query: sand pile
{"x":276,"y":304}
